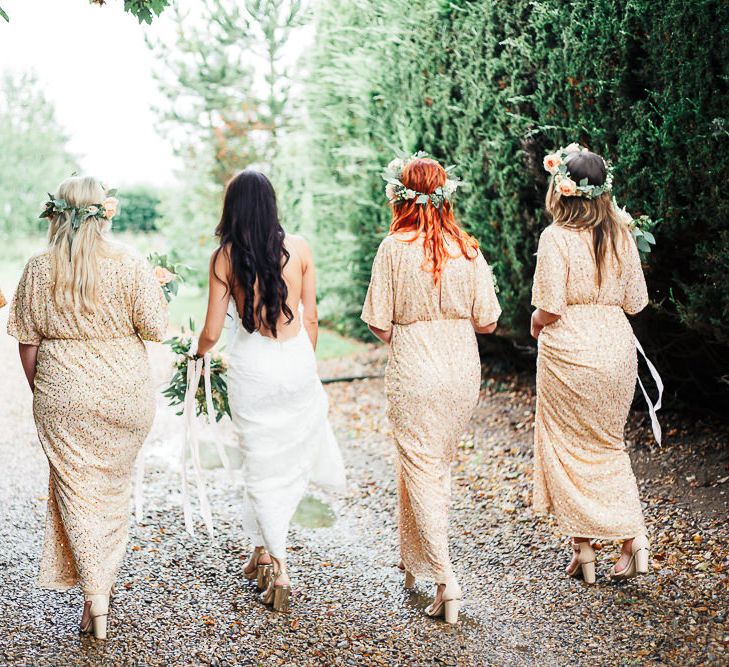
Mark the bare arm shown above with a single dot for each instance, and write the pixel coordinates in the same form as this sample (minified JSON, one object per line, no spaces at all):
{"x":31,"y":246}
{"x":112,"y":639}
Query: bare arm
{"x":486,"y":329}
{"x":540,"y":319}
{"x":218,"y":295}
{"x":385,"y":335}
{"x":308,"y":291}
{"x":28,"y":358}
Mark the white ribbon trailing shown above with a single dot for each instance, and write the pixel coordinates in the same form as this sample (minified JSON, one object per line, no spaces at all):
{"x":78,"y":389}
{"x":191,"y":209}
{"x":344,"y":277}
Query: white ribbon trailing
{"x":195,"y":369}
{"x":138,"y":481}
{"x":652,"y":409}
{"x":211,"y":415}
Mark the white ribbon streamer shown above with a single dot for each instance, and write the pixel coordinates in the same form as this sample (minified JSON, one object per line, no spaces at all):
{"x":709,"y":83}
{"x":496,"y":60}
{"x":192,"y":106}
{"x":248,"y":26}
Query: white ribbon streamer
{"x":138,"y":482}
{"x":652,"y":409}
{"x":194,"y":373}
{"x":195,"y":370}
{"x":211,"y":416}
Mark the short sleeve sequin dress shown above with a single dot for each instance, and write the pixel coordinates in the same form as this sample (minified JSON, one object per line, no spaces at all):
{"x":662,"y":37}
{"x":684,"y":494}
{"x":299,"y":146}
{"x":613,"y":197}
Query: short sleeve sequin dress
{"x":586,"y":375}
{"x":432,"y":382}
{"x":93,"y":406}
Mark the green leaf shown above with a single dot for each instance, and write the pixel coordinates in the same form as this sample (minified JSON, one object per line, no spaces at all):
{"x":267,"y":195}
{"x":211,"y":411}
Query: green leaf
{"x":4,"y":15}
{"x":643,"y":245}
{"x":649,"y":237}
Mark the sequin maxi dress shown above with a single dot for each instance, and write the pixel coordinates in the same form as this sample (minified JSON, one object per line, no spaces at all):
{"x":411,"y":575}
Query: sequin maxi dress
{"x":586,"y":375}
{"x":432,"y":383}
{"x":93,"y":406}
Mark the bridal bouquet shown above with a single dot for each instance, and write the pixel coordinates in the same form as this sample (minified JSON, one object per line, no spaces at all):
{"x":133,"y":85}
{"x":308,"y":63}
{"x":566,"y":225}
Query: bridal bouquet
{"x":168,"y":275}
{"x":641,"y":228}
{"x":177,"y":388}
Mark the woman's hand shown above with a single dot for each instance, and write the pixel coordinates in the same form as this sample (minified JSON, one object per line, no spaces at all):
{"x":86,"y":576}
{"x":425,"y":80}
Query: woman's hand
{"x":485,"y":329}
{"x":385,"y":335}
{"x":540,"y":319}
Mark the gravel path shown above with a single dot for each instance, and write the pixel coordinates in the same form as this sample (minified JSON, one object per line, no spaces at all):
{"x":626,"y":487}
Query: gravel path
{"x":182,"y":601}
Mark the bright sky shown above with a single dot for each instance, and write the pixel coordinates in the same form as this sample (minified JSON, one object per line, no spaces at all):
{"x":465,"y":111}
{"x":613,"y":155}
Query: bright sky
{"x":80,"y":49}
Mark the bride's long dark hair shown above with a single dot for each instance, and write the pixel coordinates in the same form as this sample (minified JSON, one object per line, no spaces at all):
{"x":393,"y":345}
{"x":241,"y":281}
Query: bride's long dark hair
{"x":249,"y":226}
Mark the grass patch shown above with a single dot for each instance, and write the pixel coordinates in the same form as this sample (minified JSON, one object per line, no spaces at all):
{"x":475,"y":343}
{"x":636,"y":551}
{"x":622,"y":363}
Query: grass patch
{"x":331,"y":345}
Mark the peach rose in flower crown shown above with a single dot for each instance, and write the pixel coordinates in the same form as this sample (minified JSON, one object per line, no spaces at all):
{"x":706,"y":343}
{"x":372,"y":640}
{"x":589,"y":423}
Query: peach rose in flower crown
{"x":552,"y":163}
{"x":573,"y":148}
{"x":110,"y":204}
{"x":163,"y":275}
{"x":567,"y":187}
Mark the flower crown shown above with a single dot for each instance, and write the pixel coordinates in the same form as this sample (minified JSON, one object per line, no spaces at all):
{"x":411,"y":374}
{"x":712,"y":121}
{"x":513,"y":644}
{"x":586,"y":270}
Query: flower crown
{"x":555,"y":164}
{"x":104,"y":211}
{"x":396,"y":191}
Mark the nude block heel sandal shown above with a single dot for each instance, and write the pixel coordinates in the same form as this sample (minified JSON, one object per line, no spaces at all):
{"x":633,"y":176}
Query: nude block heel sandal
{"x":263,"y":576}
{"x":585,"y":562}
{"x":639,"y":560}
{"x":99,"y":612}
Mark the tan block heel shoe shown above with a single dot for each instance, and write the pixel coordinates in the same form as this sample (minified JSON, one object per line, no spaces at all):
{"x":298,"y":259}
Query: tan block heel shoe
{"x":639,"y":560}
{"x":586,"y":558}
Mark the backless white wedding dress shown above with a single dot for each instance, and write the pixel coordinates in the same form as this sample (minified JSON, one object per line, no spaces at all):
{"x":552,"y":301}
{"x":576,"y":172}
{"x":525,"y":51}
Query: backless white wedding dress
{"x":279,"y":411}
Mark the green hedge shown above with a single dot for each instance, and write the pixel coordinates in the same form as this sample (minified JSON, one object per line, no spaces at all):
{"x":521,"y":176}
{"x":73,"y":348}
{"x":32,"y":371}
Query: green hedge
{"x":493,"y":85}
{"x":138,"y":210}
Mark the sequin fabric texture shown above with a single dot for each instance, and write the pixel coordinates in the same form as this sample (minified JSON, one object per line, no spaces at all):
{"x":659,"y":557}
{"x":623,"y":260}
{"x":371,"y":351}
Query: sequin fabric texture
{"x":93,"y":406}
{"x":586,"y":376}
{"x":432,"y":383}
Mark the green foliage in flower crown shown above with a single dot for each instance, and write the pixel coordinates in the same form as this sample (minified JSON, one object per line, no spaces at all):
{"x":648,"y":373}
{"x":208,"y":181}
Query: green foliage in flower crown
{"x":492,"y":86}
{"x":177,"y":387}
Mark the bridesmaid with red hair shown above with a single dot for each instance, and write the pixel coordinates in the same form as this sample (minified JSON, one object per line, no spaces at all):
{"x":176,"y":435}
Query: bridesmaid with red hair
{"x":430,"y":292}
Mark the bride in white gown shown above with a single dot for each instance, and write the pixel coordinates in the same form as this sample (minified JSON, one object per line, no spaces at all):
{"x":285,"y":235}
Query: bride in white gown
{"x":278,"y":405}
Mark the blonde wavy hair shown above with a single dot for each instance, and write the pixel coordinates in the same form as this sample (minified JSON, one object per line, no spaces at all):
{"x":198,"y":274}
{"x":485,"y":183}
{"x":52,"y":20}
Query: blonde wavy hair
{"x":599,"y":214}
{"x":75,"y":253}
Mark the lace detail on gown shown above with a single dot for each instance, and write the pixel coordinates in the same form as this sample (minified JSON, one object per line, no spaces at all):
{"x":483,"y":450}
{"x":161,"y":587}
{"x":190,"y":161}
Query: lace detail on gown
{"x":279,"y":410}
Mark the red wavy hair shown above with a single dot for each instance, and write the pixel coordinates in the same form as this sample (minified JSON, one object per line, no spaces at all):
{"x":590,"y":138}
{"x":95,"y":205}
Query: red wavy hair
{"x":425,"y":175}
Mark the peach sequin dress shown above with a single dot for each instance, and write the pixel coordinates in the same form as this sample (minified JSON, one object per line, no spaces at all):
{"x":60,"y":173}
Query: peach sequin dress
{"x":586,"y":376}
{"x":93,"y":406}
{"x":432,"y":383}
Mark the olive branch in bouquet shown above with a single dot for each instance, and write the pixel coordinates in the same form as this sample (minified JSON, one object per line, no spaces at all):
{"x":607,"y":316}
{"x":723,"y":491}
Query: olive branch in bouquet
{"x":168,"y":274}
{"x":177,"y":387}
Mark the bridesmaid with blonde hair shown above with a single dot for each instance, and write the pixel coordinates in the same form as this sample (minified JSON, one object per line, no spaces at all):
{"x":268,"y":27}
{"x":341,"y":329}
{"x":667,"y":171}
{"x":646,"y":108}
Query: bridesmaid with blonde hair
{"x":80,"y":313}
{"x":431,"y":290}
{"x":588,"y":277}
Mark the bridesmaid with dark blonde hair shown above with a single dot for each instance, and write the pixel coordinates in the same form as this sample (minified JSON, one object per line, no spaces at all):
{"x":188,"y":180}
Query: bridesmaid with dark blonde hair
{"x":431,"y":290}
{"x":588,"y":277}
